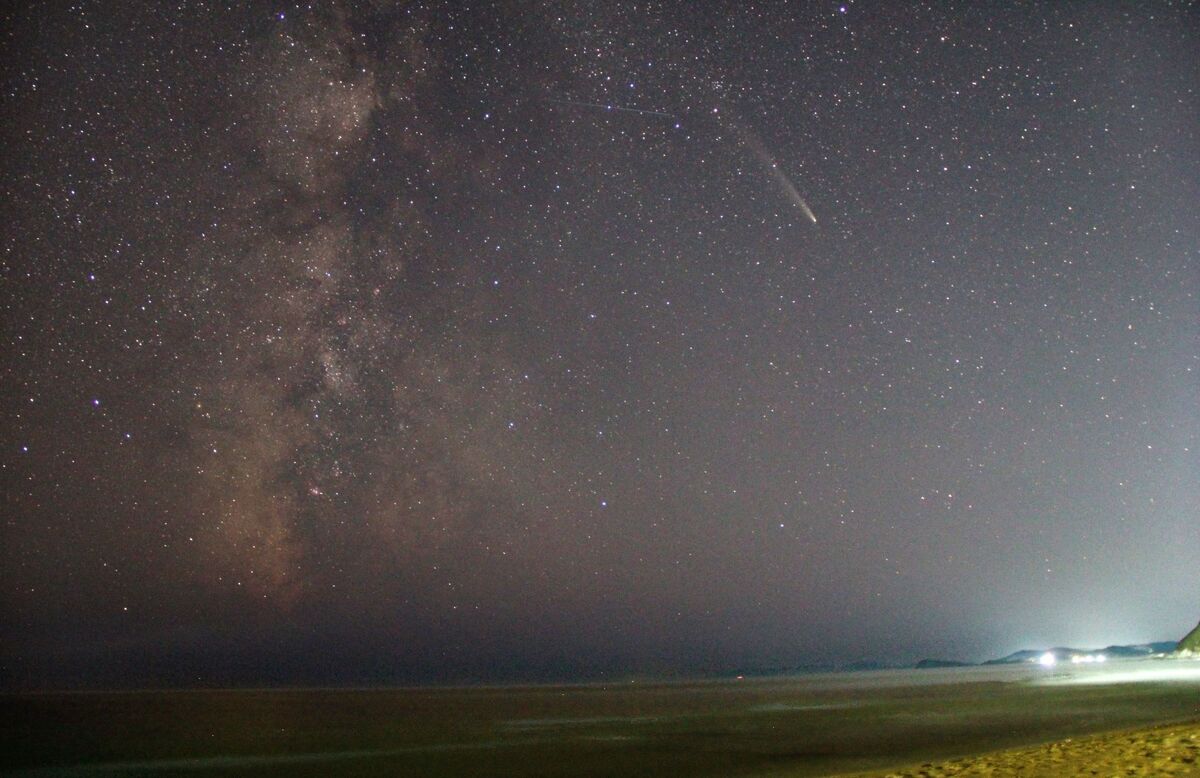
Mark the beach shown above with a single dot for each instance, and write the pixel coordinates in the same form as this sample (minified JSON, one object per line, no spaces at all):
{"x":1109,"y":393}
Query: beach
{"x":1122,"y":718}
{"x":1172,"y":750}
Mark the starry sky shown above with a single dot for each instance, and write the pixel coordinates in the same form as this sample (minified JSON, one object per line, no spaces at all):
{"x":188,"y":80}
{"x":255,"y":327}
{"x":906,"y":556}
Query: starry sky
{"x":403,"y":342}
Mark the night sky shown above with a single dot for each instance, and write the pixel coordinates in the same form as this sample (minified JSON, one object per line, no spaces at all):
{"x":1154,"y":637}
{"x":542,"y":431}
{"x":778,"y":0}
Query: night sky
{"x":405,"y":342}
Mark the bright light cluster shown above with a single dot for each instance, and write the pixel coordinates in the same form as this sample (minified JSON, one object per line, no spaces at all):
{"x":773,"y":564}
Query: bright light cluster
{"x":1048,"y":659}
{"x":1087,"y":659}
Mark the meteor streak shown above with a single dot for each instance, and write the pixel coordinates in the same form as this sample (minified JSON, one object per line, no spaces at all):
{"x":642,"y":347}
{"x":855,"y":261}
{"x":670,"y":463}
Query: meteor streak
{"x":609,"y":107}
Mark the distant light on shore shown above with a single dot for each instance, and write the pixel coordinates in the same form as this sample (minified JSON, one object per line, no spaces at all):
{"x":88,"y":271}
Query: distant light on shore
{"x":1087,"y":659}
{"x":1047,"y":659}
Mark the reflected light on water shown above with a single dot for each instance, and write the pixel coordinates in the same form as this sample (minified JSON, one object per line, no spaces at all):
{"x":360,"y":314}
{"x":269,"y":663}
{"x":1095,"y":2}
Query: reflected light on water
{"x":1151,"y":671}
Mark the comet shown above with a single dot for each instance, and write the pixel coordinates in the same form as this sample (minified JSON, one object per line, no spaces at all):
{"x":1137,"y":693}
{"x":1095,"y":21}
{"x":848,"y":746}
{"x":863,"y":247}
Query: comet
{"x":751,"y":141}
{"x":747,"y":138}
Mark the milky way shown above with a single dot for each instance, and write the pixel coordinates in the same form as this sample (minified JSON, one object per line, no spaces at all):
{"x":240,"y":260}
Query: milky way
{"x":362,"y":345}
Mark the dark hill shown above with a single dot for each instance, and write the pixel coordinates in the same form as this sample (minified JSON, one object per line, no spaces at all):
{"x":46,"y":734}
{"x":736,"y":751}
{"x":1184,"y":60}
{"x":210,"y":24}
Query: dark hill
{"x":1142,"y":649}
{"x":1191,"y":642}
{"x":929,"y":664}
